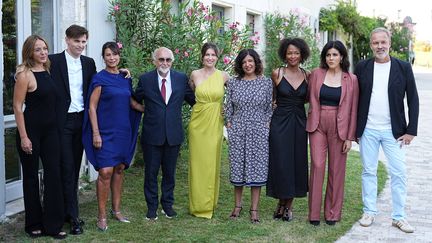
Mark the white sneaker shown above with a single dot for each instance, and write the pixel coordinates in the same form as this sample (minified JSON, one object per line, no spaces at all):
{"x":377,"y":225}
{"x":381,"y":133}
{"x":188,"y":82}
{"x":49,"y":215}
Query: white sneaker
{"x":403,"y":225}
{"x":366,"y":220}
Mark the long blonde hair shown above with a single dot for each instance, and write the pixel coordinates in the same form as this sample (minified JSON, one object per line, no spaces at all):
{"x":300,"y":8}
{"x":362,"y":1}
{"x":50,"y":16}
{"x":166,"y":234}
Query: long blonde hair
{"x":27,"y":55}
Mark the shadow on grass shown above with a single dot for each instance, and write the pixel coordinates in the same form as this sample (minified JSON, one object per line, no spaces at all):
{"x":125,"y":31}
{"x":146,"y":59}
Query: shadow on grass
{"x":186,"y":228}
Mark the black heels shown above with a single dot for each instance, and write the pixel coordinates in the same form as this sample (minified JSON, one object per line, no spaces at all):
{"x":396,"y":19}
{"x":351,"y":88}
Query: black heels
{"x":234,"y":213}
{"x":254,"y":218}
{"x":278,"y":213}
{"x":287,"y":215}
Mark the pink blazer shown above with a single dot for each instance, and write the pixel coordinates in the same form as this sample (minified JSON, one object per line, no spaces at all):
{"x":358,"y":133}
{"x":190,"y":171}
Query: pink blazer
{"x":347,"y":110}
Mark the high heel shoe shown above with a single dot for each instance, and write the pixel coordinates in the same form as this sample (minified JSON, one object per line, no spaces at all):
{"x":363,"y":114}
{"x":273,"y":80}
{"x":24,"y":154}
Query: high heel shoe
{"x":101,"y":224}
{"x":254,"y":220}
{"x":235,"y":215}
{"x":278,"y":213}
{"x":287,"y":215}
{"x":118,"y":216}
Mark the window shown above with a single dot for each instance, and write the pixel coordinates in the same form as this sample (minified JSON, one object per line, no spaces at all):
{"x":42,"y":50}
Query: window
{"x":220,"y":13}
{"x":250,"y":20}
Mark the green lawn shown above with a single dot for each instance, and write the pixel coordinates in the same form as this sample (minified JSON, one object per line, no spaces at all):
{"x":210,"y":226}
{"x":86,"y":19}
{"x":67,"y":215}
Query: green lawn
{"x":186,"y":228}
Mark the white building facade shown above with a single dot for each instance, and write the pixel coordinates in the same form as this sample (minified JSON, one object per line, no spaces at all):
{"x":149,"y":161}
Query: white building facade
{"x":50,"y":18}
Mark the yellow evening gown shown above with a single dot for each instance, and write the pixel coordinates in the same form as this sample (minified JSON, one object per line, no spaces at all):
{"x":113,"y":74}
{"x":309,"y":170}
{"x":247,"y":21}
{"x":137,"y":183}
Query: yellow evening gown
{"x":205,"y":144}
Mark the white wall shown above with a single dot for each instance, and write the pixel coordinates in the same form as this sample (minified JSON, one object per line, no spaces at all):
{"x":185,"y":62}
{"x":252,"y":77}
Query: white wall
{"x":100,"y":29}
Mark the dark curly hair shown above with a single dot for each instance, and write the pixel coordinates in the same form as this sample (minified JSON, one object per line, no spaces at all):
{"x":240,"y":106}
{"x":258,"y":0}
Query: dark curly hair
{"x":207,"y":46}
{"x":338,"y":45}
{"x":297,"y":42}
{"x":112,"y":46}
{"x":238,"y":63}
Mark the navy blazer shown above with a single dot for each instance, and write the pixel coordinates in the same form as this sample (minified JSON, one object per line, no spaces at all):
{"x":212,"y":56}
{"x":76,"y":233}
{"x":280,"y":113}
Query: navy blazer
{"x":401,"y":82}
{"x":163,"y":122}
{"x":59,"y":73}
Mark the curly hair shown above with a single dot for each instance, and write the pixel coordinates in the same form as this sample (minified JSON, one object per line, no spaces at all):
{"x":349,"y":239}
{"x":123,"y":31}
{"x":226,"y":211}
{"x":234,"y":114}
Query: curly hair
{"x":338,"y":45}
{"x":297,"y":42}
{"x":238,"y":63}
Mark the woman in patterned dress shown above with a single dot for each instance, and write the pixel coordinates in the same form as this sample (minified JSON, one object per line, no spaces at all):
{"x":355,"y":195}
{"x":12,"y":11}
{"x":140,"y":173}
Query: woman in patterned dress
{"x":248,"y":112}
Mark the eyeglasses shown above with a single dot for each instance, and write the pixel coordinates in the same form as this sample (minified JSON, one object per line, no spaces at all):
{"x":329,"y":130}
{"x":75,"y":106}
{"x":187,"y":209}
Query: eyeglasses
{"x":161,"y":59}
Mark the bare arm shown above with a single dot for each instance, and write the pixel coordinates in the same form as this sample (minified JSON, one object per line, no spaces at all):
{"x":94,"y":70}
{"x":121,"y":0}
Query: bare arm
{"x":136,"y":106}
{"x":94,"y":101}
{"x":25,"y":81}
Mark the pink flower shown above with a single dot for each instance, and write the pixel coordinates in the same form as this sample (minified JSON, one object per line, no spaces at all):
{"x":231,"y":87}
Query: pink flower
{"x":255,"y":38}
{"x":232,"y":26}
{"x":176,"y":51}
{"x":116,"y":7}
{"x":186,"y":54}
{"x":208,"y":17}
{"x":226,"y":60}
{"x":120,"y":45}
{"x":202,"y":7}
{"x":304,"y":20}
{"x":295,"y":12}
{"x":190,"y":12}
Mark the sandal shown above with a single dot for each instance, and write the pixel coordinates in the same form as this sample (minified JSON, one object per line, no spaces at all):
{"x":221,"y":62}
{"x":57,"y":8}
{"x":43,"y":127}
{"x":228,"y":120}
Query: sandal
{"x":254,"y":220}
{"x":235,"y":215}
{"x":278,"y":213}
{"x":118,"y":216}
{"x":101,"y":224}
{"x":60,"y":236}
{"x":287,"y":215}
{"x":35,"y":233}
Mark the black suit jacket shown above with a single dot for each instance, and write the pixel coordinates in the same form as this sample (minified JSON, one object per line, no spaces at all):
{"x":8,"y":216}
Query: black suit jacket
{"x":59,"y":73}
{"x":401,"y":82}
{"x":163,"y":122}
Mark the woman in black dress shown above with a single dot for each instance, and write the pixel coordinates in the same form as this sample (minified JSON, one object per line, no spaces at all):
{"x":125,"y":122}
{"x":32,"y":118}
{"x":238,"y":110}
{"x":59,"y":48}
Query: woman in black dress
{"x":38,"y":138}
{"x":288,"y":165}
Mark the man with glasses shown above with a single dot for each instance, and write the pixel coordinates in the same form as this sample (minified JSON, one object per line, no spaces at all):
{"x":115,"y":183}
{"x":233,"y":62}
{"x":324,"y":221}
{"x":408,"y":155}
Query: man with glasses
{"x":163,"y":91}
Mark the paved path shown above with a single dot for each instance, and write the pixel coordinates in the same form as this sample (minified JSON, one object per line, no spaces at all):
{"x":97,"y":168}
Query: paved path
{"x":419,"y":171}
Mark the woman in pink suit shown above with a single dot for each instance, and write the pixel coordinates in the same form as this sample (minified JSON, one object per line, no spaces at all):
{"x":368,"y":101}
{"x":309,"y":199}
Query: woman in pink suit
{"x":333,"y":98}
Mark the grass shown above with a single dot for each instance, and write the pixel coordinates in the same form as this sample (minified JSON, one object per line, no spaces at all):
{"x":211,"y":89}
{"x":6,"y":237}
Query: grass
{"x":186,"y":228}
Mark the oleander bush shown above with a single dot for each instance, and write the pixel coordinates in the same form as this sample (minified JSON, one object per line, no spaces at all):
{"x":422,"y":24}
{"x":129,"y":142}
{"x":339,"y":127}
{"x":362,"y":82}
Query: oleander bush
{"x":294,"y":24}
{"x":144,"y":25}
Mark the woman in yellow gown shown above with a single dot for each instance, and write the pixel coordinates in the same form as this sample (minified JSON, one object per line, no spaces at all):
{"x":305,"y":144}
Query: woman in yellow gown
{"x":205,"y":134}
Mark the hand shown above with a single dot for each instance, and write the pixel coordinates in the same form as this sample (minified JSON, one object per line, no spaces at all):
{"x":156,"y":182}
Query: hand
{"x":346,"y":146}
{"x":125,"y":70}
{"x":97,"y":141}
{"x":405,"y":139}
{"x":26,"y":145}
{"x":228,"y":125}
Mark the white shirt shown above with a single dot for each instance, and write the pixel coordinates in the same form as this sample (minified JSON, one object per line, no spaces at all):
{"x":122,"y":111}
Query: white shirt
{"x":379,"y":108}
{"x":75,"y":83}
{"x":168,"y":88}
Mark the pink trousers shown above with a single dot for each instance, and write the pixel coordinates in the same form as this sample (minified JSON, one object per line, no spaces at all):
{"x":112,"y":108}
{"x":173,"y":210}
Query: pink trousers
{"x":322,"y":141}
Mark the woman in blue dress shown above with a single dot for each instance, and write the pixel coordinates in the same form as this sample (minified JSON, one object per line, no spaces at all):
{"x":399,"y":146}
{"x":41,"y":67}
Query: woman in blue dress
{"x":110,"y":131}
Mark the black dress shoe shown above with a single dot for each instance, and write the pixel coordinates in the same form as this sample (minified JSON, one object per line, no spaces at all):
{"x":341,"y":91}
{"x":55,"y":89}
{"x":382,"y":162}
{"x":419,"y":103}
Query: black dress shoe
{"x":76,"y":228}
{"x":314,"y":222}
{"x":330,"y":222}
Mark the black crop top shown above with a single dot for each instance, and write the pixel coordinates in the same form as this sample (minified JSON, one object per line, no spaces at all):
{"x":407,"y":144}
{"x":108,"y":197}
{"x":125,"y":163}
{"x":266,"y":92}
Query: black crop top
{"x":330,"y":95}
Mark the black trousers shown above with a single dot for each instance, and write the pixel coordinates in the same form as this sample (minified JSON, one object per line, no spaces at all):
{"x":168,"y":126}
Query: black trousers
{"x":71,"y":156}
{"x":47,"y":216}
{"x":156,"y":157}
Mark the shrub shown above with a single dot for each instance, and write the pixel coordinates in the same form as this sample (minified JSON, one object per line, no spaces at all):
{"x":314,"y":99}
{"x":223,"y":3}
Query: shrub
{"x":295,"y":24}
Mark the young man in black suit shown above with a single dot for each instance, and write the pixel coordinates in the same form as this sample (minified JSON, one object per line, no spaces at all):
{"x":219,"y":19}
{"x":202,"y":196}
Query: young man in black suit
{"x":72,"y":73}
{"x":163,"y":91}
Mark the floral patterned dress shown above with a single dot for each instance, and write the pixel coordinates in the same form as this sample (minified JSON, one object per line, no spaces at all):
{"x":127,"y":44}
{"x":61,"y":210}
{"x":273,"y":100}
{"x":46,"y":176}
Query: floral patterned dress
{"x":248,"y":108}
